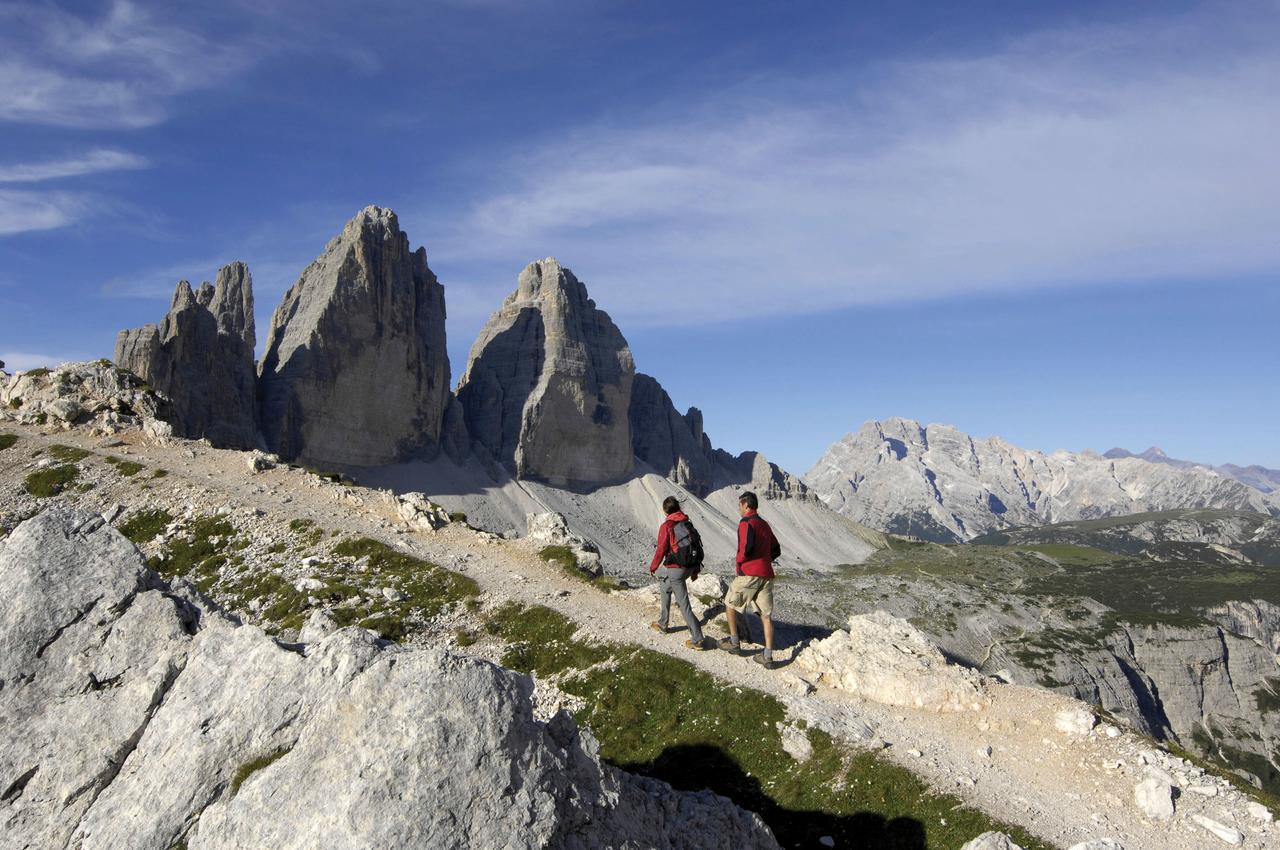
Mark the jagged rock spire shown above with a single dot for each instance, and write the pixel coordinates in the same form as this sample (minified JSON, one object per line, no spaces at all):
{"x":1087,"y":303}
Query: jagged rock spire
{"x":548,"y":383}
{"x":201,"y":356}
{"x":355,"y":371}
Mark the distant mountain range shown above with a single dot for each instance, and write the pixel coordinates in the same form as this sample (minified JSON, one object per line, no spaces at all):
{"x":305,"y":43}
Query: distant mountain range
{"x":1257,"y":477}
{"x":937,"y":483}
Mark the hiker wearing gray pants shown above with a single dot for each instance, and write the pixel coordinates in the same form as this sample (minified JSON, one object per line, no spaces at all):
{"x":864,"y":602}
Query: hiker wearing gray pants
{"x":675,"y":537}
{"x":672,"y":583}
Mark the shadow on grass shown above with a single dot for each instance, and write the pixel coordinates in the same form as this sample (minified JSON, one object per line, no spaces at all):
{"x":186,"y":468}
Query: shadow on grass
{"x":695,"y":767}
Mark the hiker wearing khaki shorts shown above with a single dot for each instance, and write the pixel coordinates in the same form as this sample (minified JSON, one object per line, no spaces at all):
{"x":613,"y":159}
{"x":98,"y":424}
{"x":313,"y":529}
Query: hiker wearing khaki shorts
{"x":757,"y":550}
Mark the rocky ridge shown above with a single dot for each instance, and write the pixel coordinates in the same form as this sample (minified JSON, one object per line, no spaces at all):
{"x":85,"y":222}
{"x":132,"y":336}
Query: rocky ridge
{"x":95,"y":395}
{"x":151,"y":719}
{"x":938,"y":483}
{"x":1254,"y":475}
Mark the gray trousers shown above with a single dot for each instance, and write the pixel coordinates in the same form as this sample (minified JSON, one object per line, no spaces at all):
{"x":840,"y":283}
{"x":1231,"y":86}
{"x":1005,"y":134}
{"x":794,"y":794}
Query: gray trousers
{"x":671,"y":583}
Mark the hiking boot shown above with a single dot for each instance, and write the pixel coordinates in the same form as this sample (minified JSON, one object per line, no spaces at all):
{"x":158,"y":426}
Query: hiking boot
{"x":767,"y":663}
{"x":699,"y":645}
{"x":729,"y":646}
{"x":659,"y":628}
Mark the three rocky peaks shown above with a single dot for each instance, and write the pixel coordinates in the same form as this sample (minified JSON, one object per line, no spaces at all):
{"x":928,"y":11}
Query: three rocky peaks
{"x":356,"y":373}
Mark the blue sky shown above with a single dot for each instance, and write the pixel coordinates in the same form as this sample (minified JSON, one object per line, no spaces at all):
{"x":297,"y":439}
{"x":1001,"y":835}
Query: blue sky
{"x":1056,"y":223}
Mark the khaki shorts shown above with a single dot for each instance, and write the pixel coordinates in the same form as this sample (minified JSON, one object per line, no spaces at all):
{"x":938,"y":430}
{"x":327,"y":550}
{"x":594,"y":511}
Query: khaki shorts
{"x":744,"y":590}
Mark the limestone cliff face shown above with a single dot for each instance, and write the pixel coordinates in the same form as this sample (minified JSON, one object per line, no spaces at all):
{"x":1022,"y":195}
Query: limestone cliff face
{"x":1200,"y":684}
{"x":356,"y":371}
{"x":201,"y":357}
{"x":548,"y":384}
{"x":938,"y":483}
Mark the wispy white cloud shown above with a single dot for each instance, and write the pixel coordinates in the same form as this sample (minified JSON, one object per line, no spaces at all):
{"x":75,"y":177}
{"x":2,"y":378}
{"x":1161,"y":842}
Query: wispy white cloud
{"x":92,"y":162}
{"x":116,"y":70}
{"x":1071,"y":157}
{"x":22,"y":211}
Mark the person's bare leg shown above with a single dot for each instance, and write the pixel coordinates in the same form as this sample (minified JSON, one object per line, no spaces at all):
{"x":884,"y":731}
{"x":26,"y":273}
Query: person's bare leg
{"x":768,"y":631}
{"x":731,"y":643}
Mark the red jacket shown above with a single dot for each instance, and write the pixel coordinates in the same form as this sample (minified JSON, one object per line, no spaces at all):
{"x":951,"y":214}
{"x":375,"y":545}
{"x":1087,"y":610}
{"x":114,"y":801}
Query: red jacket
{"x":666,"y":541}
{"x":755,"y":547}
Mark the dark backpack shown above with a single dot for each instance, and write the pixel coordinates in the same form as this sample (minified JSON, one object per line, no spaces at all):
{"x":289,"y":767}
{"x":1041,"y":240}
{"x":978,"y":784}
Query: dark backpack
{"x":688,"y":551}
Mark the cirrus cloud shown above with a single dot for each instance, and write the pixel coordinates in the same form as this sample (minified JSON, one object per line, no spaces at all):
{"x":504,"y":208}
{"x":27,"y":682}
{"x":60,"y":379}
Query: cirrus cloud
{"x":1070,"y":157}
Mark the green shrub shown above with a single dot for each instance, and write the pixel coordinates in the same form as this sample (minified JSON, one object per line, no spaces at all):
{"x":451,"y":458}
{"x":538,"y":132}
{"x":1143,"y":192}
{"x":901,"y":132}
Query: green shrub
{"x":160,"y":473}
{"x":457,"y":516}
{"x":7,"y":441}
{"x":39,"y":372}
{"x":51,"y":480}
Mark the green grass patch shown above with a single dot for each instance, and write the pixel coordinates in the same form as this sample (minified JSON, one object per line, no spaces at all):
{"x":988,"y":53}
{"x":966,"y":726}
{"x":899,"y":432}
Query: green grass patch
{"x":160,"y":473}
{"x":308,"y":533}
{"x":145,"y":526}
{"x":7,"y":441}
{"x":563,"y":557}
{"x":51,"y":480}
{"x":200,"y":555}
{"x":39,"y":372}
{"x":663,"y":717}
{"x":67,"y":454}
{"x":249,"y":768}
{"x":464,"y":637}
{"x":126,"y":468}
{"x":458,"y":516}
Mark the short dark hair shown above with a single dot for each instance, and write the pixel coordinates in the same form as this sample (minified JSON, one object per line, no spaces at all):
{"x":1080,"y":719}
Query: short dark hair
{"x":749,"y":499}
{"x":670,"y":505}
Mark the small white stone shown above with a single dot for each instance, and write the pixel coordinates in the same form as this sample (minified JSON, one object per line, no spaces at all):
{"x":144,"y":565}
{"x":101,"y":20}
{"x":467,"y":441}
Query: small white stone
{"x":827,"y":841}
{"x":1260,"y":812}
{"x":1154,"y":798}
{"x":1220,"y":830}
{"x":1204,"y":790}
{"x":1074,"y":721}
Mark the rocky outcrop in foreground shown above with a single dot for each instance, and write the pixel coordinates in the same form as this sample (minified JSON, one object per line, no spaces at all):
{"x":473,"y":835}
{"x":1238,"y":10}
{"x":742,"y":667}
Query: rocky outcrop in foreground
{"x":201,"y":357}
{"x":940,"y":484}
{"x":149,"y":720}
{"x":885,"y":659}
{"x":356,"y":371}
{"x":548,"y":384}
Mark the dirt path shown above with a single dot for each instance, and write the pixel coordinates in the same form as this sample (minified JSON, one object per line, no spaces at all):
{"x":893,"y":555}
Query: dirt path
{"x":1008,"y":760}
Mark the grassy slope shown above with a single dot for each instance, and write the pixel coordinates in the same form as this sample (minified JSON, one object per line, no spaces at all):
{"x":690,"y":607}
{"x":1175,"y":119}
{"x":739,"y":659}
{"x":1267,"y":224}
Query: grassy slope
{"x":662,"y":717}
